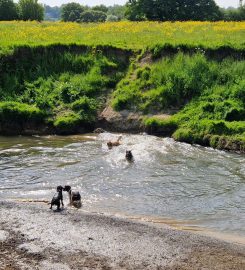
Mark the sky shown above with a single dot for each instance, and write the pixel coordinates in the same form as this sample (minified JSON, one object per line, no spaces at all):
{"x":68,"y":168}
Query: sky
{"x":221,"y":3}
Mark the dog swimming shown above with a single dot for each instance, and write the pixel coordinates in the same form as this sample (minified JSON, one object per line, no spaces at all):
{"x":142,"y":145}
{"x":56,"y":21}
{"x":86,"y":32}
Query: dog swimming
{"x":129,"y":156}
{"x":110,"y":144}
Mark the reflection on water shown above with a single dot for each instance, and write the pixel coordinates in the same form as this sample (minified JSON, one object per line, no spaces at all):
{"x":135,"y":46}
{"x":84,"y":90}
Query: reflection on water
{"x":201,"y":186}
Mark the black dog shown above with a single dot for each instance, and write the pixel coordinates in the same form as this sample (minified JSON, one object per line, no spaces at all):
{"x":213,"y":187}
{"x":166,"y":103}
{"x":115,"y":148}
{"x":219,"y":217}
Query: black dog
{"x":58,"y":198}
{"x":129,"y":156}
{"x":74,"y":196}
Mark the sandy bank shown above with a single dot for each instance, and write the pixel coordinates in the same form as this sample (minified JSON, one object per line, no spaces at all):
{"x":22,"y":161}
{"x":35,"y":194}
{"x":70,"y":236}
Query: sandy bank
{"x":34,"y":237}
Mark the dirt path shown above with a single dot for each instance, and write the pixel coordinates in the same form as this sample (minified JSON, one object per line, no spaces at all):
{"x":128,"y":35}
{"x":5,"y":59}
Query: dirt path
{"x":33,"y":237}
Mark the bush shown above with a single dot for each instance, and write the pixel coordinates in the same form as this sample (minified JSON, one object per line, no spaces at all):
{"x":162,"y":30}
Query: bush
{"x":68,"y":123}
{"x":112,"y":18}
{"x":165,"y":127}
{"x":93,"y":16}
{"x":86,"y":108}
{"x":20,"y":112}
{"x":184,"y":135}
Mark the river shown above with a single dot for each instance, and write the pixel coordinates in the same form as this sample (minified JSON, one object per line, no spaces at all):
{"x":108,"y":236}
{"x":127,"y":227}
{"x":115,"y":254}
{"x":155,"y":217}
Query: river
{"x":168,"y":182}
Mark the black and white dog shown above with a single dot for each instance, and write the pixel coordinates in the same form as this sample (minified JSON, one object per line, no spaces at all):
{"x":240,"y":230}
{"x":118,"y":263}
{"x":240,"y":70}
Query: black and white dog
{"x":74,"y":197}
{"x":58,"y":198}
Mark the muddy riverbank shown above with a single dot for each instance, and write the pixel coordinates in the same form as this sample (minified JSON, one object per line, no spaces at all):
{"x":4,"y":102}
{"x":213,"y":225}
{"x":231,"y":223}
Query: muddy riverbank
{"x":34,"y":237}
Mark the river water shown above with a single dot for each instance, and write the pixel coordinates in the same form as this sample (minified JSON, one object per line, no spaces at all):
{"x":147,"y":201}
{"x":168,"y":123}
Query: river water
{"x":168,"y":181}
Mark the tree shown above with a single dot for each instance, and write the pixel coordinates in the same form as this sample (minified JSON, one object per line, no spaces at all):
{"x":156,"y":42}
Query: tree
{"x":112,"y":18}
{"x":31,"y":10}
{"x":71,"y":12}
{"x":93,"y":16}
{"x":117,"y":10}
{"x":8,"y":10}
{"x":172,"y":10}
{"x":52,"y":13}
{"x":234,"y":14}
{"x":102,"y":8}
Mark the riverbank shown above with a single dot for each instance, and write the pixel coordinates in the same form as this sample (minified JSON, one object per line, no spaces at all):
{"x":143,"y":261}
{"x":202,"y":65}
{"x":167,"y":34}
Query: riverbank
{"x":34,"y":237}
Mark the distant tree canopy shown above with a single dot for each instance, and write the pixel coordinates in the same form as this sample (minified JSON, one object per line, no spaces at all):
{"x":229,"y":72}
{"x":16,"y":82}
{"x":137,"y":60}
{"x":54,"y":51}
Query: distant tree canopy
{"x":102,"y":8}
{"x":234,"y":14}
{"x":118,"y":11}
{"x":30,"y":10}
{"x":71,"y":12}
{"x":93,"y":16}
{"x":172,"y":10}
{"x":52,"y":13}
{"x":8,"y":10}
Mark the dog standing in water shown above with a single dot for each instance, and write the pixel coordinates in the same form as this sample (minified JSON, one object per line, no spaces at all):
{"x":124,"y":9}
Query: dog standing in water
{"x":74,"y":197}
{"x":58,"y":198}
{"x":129,"y":156}
{"x":110,"y":144}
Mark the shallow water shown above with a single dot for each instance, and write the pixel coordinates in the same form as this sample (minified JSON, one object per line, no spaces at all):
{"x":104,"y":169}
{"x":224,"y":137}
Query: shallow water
{"x":167,"y":181}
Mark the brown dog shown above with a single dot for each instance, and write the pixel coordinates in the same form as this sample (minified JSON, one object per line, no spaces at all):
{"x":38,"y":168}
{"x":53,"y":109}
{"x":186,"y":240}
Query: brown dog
{"x":110,"y":144}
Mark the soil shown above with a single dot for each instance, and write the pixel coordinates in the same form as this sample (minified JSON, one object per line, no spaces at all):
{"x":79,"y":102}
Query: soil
{"x":34,"y":237}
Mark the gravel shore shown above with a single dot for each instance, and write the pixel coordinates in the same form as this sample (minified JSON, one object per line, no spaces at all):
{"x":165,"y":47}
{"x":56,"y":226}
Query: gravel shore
{"x":34,"y":237}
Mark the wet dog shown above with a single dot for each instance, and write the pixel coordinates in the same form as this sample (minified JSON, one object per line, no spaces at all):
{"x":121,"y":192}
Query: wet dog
{"x":58,"y":198}
{"x":129,"y":156}
{"x":110,"y":144}
{"x":74,"y":197}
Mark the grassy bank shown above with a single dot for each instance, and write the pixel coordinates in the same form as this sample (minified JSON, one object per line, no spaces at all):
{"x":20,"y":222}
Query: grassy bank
{"x":209,"y":96}
{"x":67,"y":84}
{"x":192,"y":71}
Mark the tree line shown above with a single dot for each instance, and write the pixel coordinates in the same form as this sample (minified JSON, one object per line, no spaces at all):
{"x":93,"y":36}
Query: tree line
{"x":23,"y":10}
{"x":134,"y":10}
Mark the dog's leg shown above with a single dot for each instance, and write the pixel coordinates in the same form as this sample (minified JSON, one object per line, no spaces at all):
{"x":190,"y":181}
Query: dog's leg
{"x":58,"y":205}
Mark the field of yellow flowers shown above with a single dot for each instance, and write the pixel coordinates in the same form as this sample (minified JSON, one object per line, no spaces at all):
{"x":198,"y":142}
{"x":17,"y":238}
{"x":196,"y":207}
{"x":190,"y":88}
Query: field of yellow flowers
{"x":130,"y":35}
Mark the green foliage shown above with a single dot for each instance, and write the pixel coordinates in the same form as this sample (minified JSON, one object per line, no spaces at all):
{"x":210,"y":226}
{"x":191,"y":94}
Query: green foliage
{"x":101,"y":8}
{"x":90,"y":16}
{"x":184,"y":135}
{"x":165,"y":127}
{"x":169,"y":82}
{"x":68,"y":123}
{"x":71,"y":12}
{"x":234,"y":14}
{"x":8,"y":10}
{"x":52,"y":13}
{"x":31,"y":10}
{"x":118,"y":11}
{"x":19,"y":112}
{"x":64,"y":82}
{"x":173,"y":10}
{"x":112,"y":18}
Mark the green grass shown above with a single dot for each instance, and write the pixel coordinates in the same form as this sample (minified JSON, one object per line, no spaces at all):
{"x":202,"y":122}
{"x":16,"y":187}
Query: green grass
{"x":59,"y":79}
{"x":130,"y":35}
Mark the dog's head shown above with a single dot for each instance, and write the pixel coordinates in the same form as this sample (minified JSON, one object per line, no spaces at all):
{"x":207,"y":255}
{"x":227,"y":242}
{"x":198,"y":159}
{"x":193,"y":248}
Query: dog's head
{"x":67,"y":188}
{"x":59,"y":188}
{"x":109,"y":144}
{"x":129,"y":155}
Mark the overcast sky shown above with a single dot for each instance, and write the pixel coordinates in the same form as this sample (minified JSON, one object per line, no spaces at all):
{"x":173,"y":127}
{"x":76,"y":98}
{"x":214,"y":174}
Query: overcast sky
{"x":221,"y":3}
